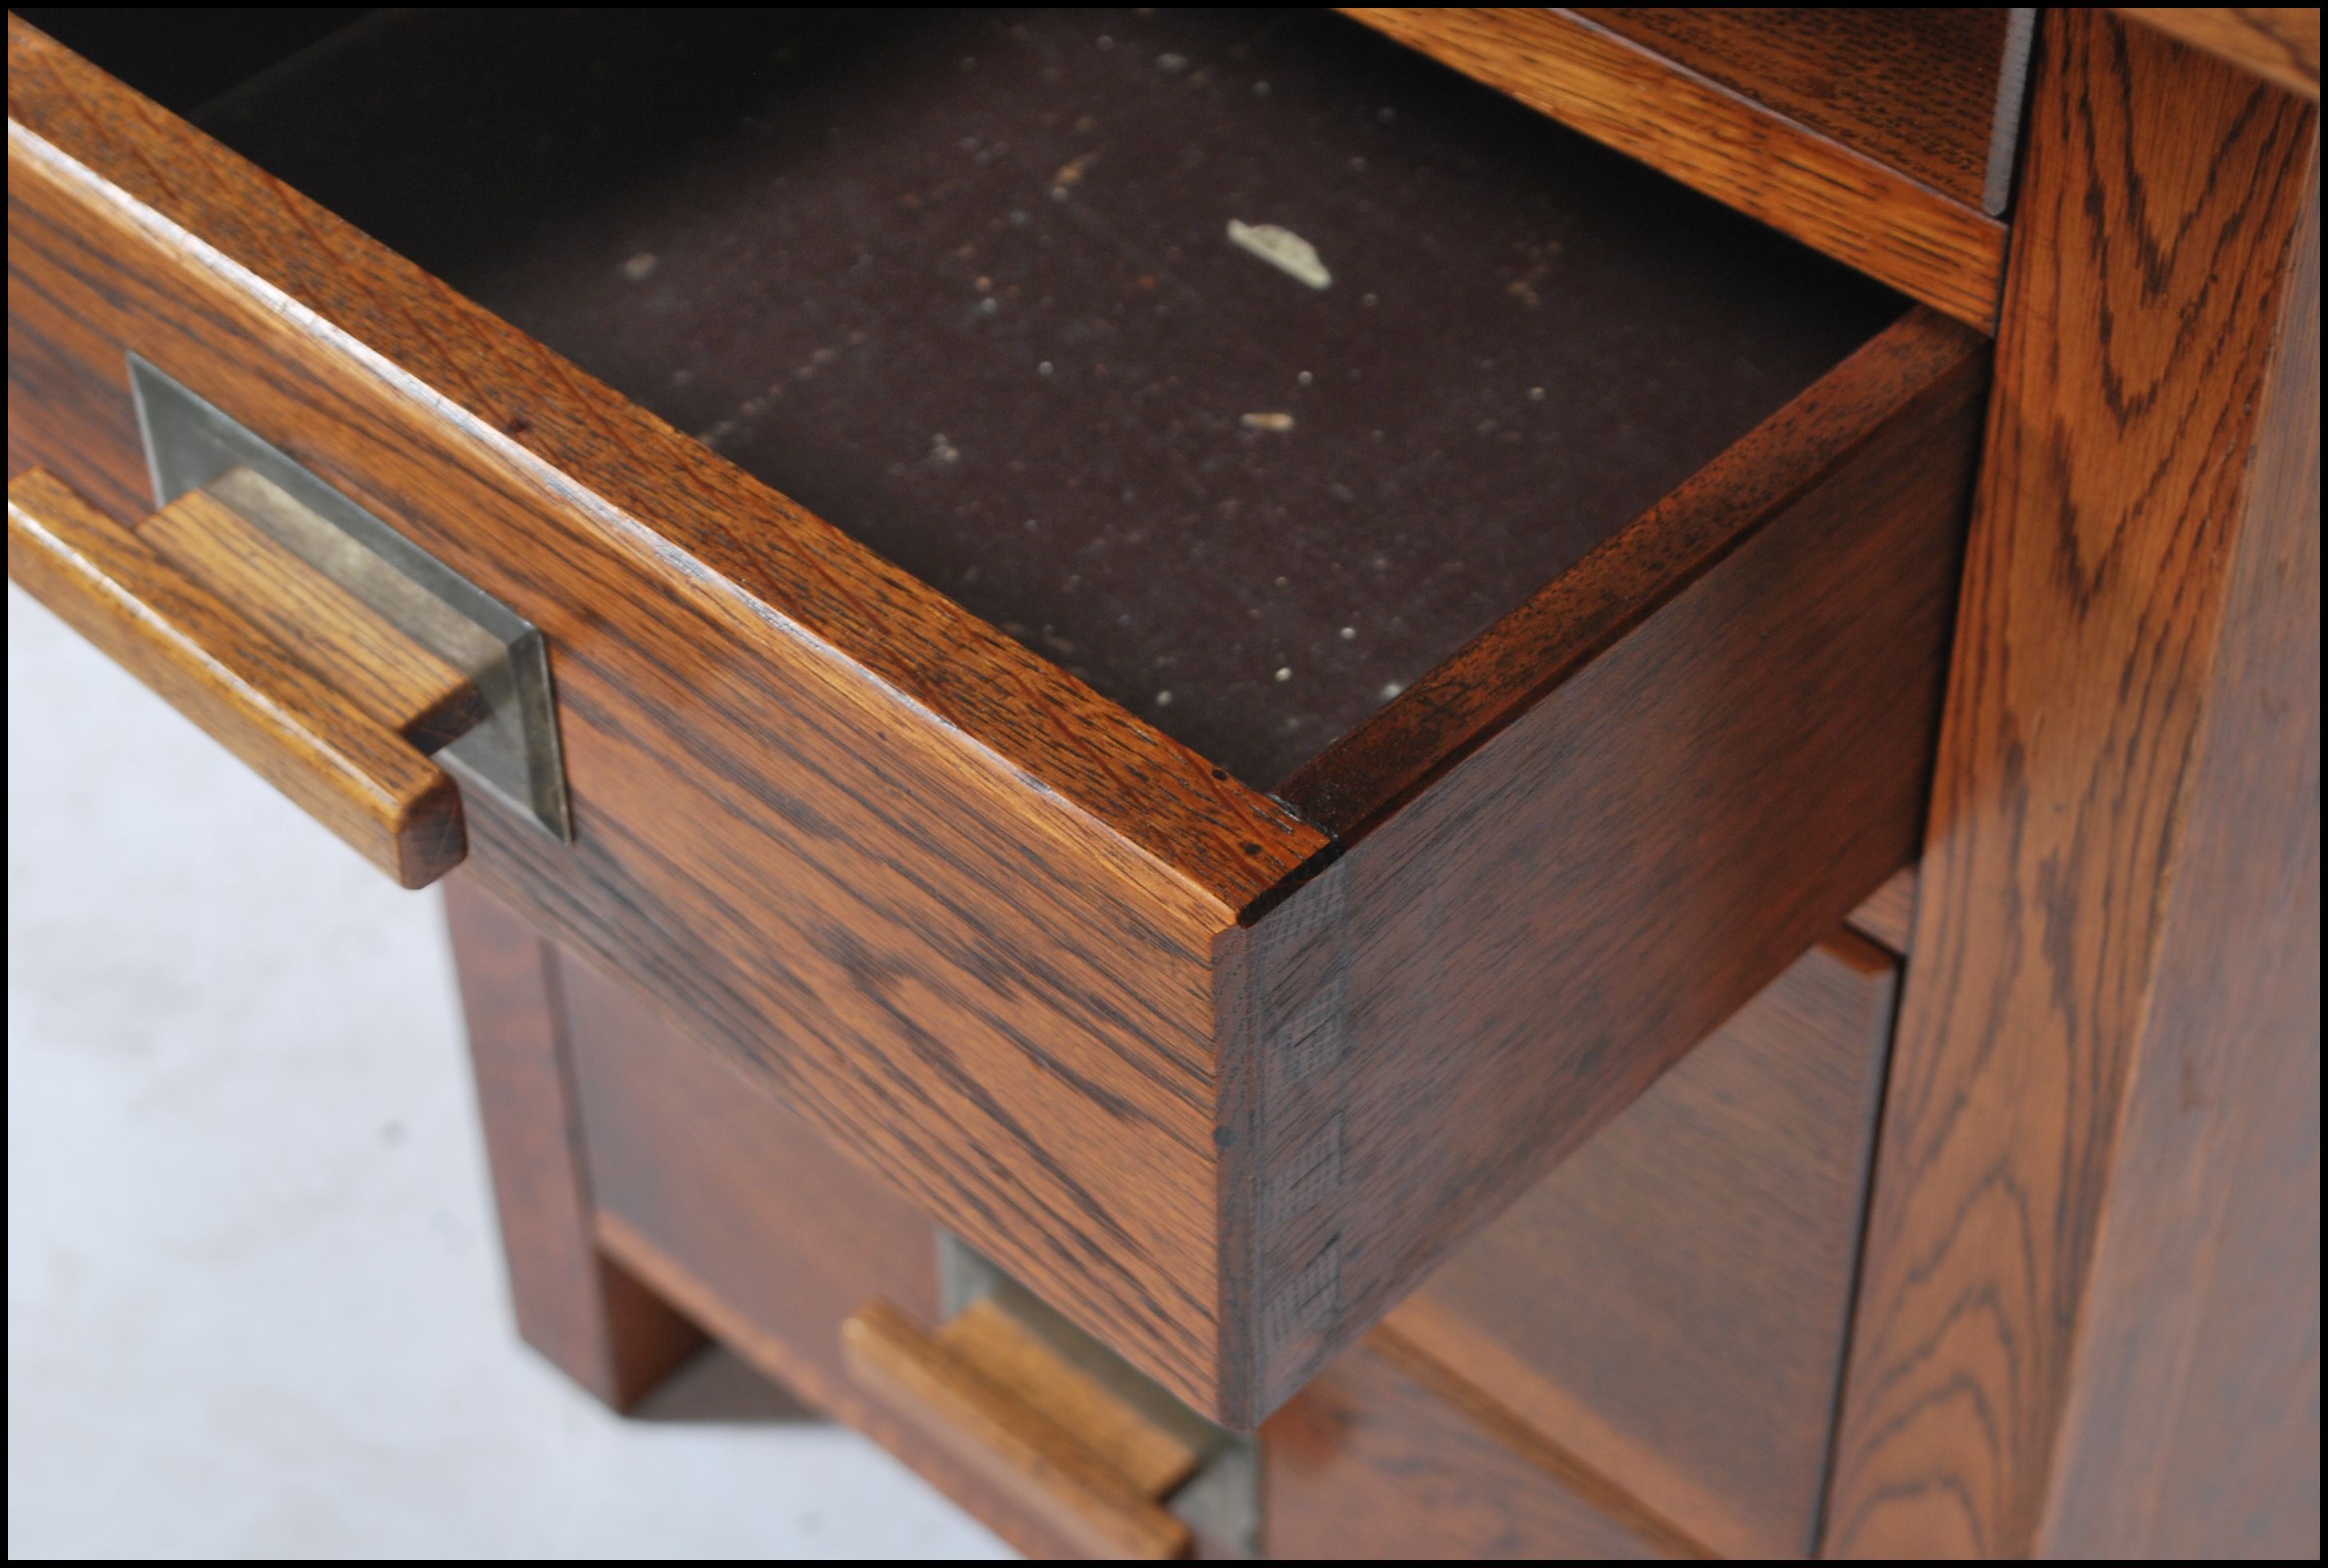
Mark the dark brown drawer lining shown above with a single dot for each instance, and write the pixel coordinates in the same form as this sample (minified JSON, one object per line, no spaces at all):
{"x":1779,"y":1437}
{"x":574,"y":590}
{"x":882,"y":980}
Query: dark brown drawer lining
{"x":841,"y":251}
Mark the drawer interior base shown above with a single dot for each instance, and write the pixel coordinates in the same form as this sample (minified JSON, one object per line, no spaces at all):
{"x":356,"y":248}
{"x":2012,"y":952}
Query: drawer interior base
{"x":964,"y":285}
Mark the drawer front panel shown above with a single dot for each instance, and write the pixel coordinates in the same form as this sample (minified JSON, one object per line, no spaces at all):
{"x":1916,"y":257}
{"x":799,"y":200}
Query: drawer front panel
{"x":732,"y":1208}
{"x":1637,"y":1360}
{"x":1669,"y":1306}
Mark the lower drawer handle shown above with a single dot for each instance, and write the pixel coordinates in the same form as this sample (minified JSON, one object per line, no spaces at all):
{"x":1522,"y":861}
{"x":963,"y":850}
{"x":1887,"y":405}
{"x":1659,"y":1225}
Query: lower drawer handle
{"x":993,"y":1398}
{"x":204,"y":608}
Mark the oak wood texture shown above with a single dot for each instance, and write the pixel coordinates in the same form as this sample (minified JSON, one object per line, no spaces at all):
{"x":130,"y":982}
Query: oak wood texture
{"x":1935,"y":92}
{"x":2280,"y":43}
{"x":1889,"y":915}
{"x":1041,"y":969}
{"x":344,"y":765}
{"x":2193,"y":1423}
{"x":590,"y":1315}
{"x":706,"y":1183}
{"x":966,"y":913}
{"x":1668,"y":1305}
{"x":1483,"y":979}
{"x":363,"y":655}
{"x":1854,"y":207}
{"x":1385,"y":1457}
{"x":999,"y":1404}
{"x":2124,"y":832}
{"x":699,"y":1172}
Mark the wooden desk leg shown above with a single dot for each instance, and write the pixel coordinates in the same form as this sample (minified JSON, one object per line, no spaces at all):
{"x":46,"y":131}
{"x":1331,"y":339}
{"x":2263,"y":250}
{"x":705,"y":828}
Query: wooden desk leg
{"x":602,"y":1327}
{"x":2088,"y":1315}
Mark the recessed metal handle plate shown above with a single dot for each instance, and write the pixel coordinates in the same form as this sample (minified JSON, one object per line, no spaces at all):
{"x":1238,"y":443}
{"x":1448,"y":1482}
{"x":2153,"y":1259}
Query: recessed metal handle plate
{"x":512,"y":753}
{"x":1222,"y":1500}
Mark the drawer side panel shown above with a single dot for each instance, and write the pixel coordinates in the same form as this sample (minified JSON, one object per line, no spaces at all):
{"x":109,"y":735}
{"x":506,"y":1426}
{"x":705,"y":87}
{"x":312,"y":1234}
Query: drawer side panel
{"x":1521,"y":951}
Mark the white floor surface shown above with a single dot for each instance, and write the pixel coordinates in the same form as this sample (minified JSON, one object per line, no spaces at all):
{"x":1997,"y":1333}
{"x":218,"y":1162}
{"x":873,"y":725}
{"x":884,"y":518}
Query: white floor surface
{"x":255,"y":1300}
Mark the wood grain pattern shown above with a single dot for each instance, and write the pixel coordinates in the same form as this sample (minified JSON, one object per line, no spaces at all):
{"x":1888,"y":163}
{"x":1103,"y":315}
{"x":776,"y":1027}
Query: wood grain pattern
{"x":2136,"y":422}
{"x":1855,"y":207}
{"x":1935,"y":91}
{"x":2193,"y":1427}
{"x":960,"y":1403}
{"x":1385,"y":1458}
{"x":783,"y":1360}
{"x":692,"y":1158}
{"x":956,"y":964}
{"x":591,"y":1317}
{"x":1889,"y":915}
{"x":360,"y":652}
{"x":2280,"y":43}
{"x":1464,"y":996}
{"x":1669,"y":1304}
{"x":342,"y":765}
{"x":991,"y":987}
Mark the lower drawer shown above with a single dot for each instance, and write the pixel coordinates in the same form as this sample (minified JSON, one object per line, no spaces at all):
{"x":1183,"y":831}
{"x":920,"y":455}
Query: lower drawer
{"x":1637,"y":1360}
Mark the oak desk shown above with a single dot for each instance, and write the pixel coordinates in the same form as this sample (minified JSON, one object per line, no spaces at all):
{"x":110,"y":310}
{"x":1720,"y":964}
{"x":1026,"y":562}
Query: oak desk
{"x":1272,"y":798}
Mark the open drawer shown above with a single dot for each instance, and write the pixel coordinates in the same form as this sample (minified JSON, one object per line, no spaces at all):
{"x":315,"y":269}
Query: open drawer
{"x":1211,"y":643}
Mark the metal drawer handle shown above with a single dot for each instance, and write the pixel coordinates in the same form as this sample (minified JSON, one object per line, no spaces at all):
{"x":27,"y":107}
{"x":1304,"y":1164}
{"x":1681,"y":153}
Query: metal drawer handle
{"x":157,"y":601}
{"x":355,"y":672}
{"x":512,"y":752}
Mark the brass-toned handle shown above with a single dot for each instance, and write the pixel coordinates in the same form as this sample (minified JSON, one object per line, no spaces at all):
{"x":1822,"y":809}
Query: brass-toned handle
{"x":324,"y":699}
{"x":994,"y":1398}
